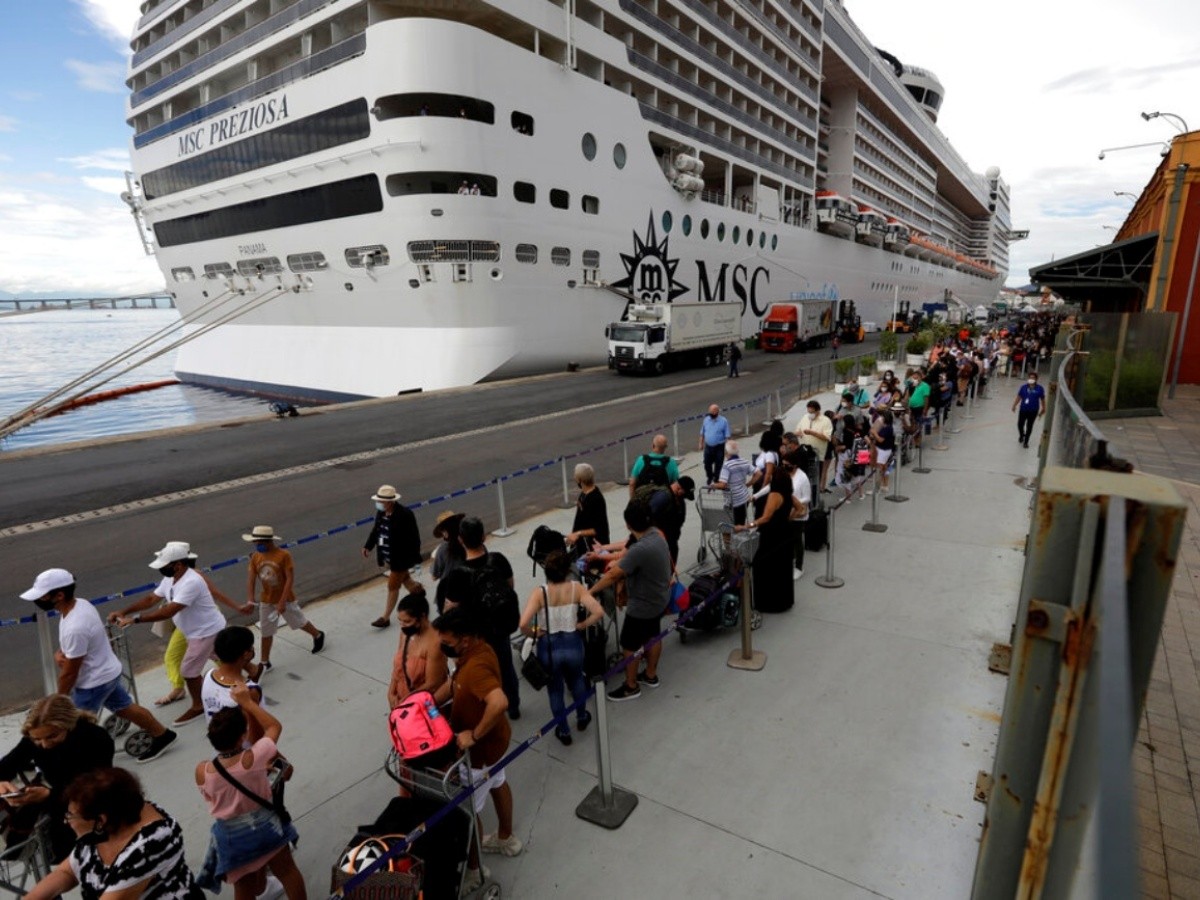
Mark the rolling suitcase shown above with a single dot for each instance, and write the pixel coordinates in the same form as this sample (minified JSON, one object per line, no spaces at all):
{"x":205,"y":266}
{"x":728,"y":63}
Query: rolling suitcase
{"x":816,"y":531}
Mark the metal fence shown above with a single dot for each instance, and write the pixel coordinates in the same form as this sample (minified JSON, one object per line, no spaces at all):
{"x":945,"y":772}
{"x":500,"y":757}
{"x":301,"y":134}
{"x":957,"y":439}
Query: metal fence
{"x":1127,"y":365}
{"x":1101,"y":554}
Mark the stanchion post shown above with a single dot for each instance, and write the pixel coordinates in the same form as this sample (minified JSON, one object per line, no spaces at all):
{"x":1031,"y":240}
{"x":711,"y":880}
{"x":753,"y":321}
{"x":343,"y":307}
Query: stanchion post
{"x":952,"y":420}
{"x":503,"y":530}
{"x":875,"y":525}
{"x":746,"y":657}
{"x":746,"y":410}
{"x":767,"y":420}
{"x":941,"y":432}
{"x":898,"y":458}
{"x":778,"y":405}
{"x":970,"y":413}
{"x":921,"y":468}
{"x":624,"y":479}
{"x":829,"y":580}
{"x":606,"y":804}
{"x":49,"y":668}
{"x":566,"y":498}
{"x":675,"y":441}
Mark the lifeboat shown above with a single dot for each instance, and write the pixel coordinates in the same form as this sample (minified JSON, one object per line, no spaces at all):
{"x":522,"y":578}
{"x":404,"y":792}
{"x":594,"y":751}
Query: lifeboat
{"x":871,"y":227}
{"x":836,"y":214}
{"x":896,"y":235}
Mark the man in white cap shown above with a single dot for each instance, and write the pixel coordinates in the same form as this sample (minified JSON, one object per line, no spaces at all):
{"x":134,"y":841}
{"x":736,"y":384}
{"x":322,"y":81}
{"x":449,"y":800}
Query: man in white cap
{"x":397,"y":545}
{"x":191,"y":606}
{"x":271,"y":567}
{"x":88,"y":670}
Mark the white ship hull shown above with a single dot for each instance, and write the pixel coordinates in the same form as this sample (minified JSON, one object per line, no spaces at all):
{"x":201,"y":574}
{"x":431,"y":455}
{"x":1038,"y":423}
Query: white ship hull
{"x":361,"y":332}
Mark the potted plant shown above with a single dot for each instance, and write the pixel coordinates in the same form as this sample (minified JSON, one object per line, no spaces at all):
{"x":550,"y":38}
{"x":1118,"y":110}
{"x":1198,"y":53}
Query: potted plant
{"x":866,"y":366}
{"x":915,"y":349}
{"x":843,"y":367}
{"x":888,"y":345}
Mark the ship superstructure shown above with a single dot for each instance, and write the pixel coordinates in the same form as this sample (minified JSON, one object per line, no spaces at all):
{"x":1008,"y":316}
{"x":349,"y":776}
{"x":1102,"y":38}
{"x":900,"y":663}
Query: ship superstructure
{"x":364,"y":198}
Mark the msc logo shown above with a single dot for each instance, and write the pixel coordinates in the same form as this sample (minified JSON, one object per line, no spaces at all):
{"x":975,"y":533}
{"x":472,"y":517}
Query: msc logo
{"x":649,"y":270}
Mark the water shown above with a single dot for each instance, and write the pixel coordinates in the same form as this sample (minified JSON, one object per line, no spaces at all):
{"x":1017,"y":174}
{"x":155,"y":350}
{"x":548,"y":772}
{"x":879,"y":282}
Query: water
{"x":41,"y":351}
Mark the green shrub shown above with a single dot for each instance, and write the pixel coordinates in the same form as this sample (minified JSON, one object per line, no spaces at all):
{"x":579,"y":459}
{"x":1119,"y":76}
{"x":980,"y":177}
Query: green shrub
{"x":844,"y":367}
{"x":888,"y":345}
{"x":919,"y":342}
{"x":866,"y":365}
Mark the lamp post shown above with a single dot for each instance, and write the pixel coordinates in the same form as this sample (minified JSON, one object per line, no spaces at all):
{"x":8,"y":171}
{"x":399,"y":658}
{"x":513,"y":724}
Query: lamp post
{"x":1165,"y":148}
{"x":1132,"y":197}
{"x":1183,"y":126}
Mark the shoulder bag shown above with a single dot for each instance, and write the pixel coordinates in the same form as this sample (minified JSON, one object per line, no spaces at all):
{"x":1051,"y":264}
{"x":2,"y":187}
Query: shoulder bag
{"x":532,"y":669}
{"x":275,"y":803}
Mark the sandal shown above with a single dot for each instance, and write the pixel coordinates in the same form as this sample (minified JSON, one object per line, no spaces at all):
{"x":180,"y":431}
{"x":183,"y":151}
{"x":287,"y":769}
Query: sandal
{"x":167,"y":699}
{"x":381,"y":622}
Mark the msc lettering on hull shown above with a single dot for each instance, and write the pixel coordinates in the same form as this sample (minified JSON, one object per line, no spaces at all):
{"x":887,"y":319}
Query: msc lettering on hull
{"x":744,"y":281}
{"x":236,"y":124}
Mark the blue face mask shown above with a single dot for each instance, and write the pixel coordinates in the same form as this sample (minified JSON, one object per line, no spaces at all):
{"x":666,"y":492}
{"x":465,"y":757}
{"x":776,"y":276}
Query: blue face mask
{"x":262,"y":546}
{"x":379,"y":505}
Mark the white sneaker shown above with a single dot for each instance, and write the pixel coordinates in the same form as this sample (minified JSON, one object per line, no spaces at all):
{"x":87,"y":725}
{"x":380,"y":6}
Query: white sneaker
{"x":273,"y":889}
{"x":510,"y":846}
{"x":797,"y":574}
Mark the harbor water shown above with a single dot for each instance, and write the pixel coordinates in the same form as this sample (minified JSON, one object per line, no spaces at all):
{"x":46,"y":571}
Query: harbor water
{"x":41,"y":351}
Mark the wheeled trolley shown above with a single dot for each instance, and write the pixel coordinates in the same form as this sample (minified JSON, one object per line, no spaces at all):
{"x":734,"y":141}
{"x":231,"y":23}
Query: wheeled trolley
{"x":731,"y":552}
{"x":138,"y":742}
{"x":714,"y":510}
{"x":25,"y":863}
{"x":427,"y":788}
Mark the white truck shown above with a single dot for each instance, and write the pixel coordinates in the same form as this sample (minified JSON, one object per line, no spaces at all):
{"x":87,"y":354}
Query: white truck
{"x":654,"y":337}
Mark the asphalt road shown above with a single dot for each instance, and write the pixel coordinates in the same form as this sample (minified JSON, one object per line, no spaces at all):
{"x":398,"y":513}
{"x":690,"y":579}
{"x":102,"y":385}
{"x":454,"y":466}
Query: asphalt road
{"x":101,"y":510}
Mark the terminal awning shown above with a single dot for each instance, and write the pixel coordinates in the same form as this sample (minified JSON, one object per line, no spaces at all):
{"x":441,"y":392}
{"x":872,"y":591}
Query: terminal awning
{"x":1114,"y":275}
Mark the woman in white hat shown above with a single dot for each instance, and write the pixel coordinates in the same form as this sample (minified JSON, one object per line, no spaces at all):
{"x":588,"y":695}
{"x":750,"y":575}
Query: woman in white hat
{"x":271,"y":568}
{"x":397,"y":545}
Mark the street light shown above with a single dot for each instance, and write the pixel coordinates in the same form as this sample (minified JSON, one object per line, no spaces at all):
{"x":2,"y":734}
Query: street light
{"x":1156,"y":115}
{"x":1165,"y":148}
{"x":1132,"y":197}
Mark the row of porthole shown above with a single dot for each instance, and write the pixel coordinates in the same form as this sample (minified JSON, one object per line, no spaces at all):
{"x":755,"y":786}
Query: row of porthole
{"x":735,"y":236}
{"x":589,"y":150}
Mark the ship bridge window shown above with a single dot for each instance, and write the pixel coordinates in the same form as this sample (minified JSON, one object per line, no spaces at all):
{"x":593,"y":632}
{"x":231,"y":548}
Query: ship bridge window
{"x":522,"y":123}
{"x":451,"y":106}
{"x":184,"y":273}
{"x":311,"y":134}
{"x":370,"y":255}
{"x":524,"y":192}
{"x":454,"y":251}
{"x":307,"y":262}
{"x":263,"y":265}
{"x":559,"y":199}
{"x":560,"y":256}
{"x":336,"y":200}
{"x":218,"y":270}
{"x":591,"y":205}
{"x":526,"y":253}
{"x":402,"y":184}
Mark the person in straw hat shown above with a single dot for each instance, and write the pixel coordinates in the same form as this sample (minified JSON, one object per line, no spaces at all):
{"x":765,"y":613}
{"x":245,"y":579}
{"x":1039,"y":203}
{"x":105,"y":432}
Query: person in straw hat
{"x":449,"y":552}
{"x":397,"y":545}
{"x":271,"y":569}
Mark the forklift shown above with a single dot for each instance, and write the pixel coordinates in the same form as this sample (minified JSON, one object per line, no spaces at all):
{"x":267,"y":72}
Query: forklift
{"x":849,"y":324}
{"x":904,"y":323}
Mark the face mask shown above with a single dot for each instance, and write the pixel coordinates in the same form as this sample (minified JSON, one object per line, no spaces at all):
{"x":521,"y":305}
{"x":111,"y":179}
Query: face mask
{"x":449,"y":650}
{"x":45,"y":604}
{"x":410,"y":630}
{"x":262,"y":547}
{"x":379,"y":505}
{"x":1031,"y":382}
{"x":167,"y":571}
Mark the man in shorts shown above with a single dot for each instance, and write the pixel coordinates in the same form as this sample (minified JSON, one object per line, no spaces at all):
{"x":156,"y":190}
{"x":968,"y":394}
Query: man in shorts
{"x":271,"y":567}
{"x":191,"y":607}
{"x":480,"y":726}
{"x":645,"y":568}
{"x":88,"y":670}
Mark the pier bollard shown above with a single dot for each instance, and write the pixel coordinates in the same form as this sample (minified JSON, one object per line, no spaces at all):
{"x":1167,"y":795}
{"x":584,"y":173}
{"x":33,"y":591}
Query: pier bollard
{"x":898,"y":458}
{"x":746,"y":657}
{"x":503,"y":530}
{"x":921,"y":468}
{"x":829,"y":580}
{"x":606,"y":804}
{"x":874,"y":525}
{"x":49,"y":667}
{"x":566,"y":500}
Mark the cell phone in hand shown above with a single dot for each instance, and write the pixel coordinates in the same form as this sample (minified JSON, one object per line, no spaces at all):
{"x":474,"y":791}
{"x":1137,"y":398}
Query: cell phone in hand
{"x":12,"y":794}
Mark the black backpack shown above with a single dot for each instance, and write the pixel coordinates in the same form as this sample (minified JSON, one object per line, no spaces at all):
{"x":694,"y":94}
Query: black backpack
{"x":544,"y":541}
{"x":496,"y":600}
{"x":654,"y":471}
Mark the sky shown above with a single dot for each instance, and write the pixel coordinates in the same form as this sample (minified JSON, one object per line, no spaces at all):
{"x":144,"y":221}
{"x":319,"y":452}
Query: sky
{"x":1035,"y":88}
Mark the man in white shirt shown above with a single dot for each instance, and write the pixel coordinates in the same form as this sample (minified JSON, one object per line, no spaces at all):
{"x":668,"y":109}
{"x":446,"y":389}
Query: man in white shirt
{"x":190,"y":604}
{"x":88,"y":670}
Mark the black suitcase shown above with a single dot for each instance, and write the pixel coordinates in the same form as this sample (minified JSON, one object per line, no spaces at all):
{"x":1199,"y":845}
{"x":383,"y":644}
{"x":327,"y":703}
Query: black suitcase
{"x":711,"y":616}
{"x":816,"y":531}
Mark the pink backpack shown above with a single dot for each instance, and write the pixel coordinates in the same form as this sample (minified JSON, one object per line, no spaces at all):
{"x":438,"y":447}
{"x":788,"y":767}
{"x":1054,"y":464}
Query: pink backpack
{"x":418,"y":727}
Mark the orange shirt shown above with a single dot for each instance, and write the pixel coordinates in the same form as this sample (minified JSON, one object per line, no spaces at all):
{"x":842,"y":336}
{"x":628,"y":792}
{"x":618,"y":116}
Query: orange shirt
{"x":272,"y":570}
{"x":477,"y":675}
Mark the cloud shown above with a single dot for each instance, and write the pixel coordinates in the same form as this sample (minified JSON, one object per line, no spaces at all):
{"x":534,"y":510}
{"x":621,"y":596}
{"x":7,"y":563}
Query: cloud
{"x":8,"y":123}
{"x":108,"y":185}
{"x":109,"y":160}
{"x":112,"y":18}
{"x":1108,"y":78}
{"x":105,"y":78}
{"x":22,"y":96}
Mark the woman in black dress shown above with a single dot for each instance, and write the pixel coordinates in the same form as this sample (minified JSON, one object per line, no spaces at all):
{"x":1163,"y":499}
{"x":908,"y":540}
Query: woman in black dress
{"x":773,"y":562}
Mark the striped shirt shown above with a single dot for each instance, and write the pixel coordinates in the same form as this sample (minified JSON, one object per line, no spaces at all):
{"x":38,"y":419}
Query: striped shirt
{"x":735,"y":473}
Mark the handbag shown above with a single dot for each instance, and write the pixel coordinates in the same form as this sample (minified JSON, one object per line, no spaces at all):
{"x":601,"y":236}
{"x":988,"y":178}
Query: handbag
{"x":276,"y":802}
{"x":532,"y":669}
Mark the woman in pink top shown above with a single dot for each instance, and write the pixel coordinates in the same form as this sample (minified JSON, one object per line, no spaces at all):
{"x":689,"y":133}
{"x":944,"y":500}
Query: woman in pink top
{"x":248,"y":836}
{"x":419,"y":664}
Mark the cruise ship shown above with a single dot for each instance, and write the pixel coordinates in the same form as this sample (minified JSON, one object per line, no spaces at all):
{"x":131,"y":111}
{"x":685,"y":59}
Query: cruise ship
{"x":360,"y":198}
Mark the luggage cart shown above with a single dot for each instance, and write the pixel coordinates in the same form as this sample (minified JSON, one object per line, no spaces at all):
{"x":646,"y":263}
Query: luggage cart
{"x":138,"y":742}
{"x":438,"y":784}
{"x":714,"y":510}
{"x":731,"y":551}
{"x":24,"y":864}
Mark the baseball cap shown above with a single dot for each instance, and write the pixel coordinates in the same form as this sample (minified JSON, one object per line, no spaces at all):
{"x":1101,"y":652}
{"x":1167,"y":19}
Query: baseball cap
{"x":50,"y":580}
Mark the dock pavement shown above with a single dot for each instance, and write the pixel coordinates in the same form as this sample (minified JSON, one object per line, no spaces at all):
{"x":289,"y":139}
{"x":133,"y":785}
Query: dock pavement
{"x":845,"y":769}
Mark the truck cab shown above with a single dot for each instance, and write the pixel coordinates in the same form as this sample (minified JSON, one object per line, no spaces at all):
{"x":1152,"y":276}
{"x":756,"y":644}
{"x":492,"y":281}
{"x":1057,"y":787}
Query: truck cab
{"x":781,"y":329}
{"x":636,"y":346}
